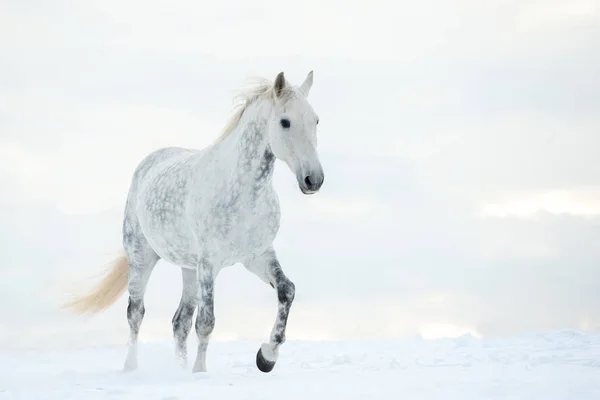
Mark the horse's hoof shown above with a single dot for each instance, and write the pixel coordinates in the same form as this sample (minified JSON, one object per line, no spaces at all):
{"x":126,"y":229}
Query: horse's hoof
{"x":263,"y":364}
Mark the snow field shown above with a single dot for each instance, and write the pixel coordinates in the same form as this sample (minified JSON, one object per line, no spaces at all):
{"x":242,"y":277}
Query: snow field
{"x":549,"y":365}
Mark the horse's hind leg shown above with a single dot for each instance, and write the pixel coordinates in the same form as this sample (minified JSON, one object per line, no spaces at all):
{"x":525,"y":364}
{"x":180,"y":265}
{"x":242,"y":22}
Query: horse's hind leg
{"x":205,"y":320}
{"x":182,"y":320}
{"x":142,"y":260}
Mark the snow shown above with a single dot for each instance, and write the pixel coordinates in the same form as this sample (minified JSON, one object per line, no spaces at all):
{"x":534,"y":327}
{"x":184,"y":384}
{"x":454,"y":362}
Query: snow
{"x":548,"y":365}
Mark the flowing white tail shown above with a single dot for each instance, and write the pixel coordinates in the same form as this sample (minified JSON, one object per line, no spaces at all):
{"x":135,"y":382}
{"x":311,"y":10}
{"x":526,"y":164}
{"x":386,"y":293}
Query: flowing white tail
{"x":106,"y":292}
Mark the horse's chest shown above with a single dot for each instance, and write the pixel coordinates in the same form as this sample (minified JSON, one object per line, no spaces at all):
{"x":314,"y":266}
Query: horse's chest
{"x":244,"y":225}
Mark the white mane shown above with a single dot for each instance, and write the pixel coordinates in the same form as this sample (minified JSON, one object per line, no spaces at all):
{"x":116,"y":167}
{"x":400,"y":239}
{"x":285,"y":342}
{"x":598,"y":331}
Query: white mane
{"x":261,"y":88}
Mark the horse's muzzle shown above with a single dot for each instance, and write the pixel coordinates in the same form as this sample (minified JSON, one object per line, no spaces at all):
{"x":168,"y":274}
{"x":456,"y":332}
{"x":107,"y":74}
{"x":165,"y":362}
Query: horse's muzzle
{"x":311,"y":183}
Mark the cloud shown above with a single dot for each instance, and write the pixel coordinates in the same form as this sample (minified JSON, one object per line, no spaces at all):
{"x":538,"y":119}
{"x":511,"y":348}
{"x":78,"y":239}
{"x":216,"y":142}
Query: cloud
{"x":582,"y":202}
{"x":556,"y":14}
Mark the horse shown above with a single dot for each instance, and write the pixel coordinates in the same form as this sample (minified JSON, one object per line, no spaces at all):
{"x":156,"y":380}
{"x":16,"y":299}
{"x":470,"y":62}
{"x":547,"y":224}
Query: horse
{"x":210,"y":208}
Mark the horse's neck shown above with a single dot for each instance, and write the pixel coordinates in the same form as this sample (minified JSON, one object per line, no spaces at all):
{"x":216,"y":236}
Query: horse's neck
{"x":245,"y":152}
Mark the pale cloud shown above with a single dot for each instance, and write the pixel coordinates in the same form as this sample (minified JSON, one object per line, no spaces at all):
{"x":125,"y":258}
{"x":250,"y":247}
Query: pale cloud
{"x":234,"y":29}
{"x":579,"y":202}
{"x":342,"y":208}
{"x":544,"y":15}
{"x":47,"y":152}
{"x":14,"y":160}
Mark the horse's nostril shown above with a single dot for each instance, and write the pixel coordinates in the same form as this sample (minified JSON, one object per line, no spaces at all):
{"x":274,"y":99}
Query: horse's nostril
{"x":308,"y":181}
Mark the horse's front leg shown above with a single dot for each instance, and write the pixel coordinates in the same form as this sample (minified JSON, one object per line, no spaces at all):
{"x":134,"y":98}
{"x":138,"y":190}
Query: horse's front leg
{"x":268,"y":269}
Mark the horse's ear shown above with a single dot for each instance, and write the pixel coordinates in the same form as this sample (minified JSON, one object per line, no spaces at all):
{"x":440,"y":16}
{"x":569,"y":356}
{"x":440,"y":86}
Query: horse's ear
{"x":279,"y":84}
{"x":307,"y":84}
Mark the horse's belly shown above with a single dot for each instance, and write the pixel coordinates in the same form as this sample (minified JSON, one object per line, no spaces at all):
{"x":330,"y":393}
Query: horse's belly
{"x":173,"y":244}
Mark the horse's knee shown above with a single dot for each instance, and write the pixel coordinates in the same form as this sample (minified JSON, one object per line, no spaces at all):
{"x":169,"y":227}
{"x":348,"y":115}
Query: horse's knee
{"x":182,"y":320}
{"x":286,"y":291}
{"x":205,"y":321}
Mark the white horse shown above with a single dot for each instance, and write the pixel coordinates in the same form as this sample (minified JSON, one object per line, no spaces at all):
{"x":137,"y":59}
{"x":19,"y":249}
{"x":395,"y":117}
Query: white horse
{"x":207,"y":209}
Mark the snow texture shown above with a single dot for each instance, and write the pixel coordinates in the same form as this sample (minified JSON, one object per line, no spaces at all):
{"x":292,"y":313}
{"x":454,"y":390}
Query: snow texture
{"x":550,"y":365}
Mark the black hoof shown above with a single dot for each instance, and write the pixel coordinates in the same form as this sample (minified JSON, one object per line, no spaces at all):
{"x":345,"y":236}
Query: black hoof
{"x":263,"y":364}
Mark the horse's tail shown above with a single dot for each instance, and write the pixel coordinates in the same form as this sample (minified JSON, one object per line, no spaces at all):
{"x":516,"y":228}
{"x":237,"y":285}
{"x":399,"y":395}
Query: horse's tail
{"x":106,"y":292}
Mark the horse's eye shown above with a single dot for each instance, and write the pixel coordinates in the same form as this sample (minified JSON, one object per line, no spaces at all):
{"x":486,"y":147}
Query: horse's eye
{"x":285,"y":122}
{"x":317,"y":121}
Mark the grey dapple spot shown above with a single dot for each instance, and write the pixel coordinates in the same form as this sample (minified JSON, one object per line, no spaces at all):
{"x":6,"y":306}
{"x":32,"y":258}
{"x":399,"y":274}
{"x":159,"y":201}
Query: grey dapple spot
{"x":207,"y":209}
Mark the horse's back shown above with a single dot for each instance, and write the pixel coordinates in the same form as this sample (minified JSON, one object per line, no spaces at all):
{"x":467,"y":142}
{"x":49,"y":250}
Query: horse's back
{"x":154,"y":159}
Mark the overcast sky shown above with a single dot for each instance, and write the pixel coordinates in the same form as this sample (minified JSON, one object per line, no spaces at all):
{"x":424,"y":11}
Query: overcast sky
{"x":460,"y":142}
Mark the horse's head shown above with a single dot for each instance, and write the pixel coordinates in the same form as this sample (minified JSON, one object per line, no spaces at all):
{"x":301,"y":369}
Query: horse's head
{"x":293,"y":132}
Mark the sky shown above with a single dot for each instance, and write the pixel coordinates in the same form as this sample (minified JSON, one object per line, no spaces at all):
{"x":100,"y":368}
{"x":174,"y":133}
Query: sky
{"x":460,"y":143}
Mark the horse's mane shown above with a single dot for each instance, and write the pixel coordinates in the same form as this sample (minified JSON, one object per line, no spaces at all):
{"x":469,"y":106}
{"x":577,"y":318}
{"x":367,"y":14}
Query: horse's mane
{"x":258,"y":88}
